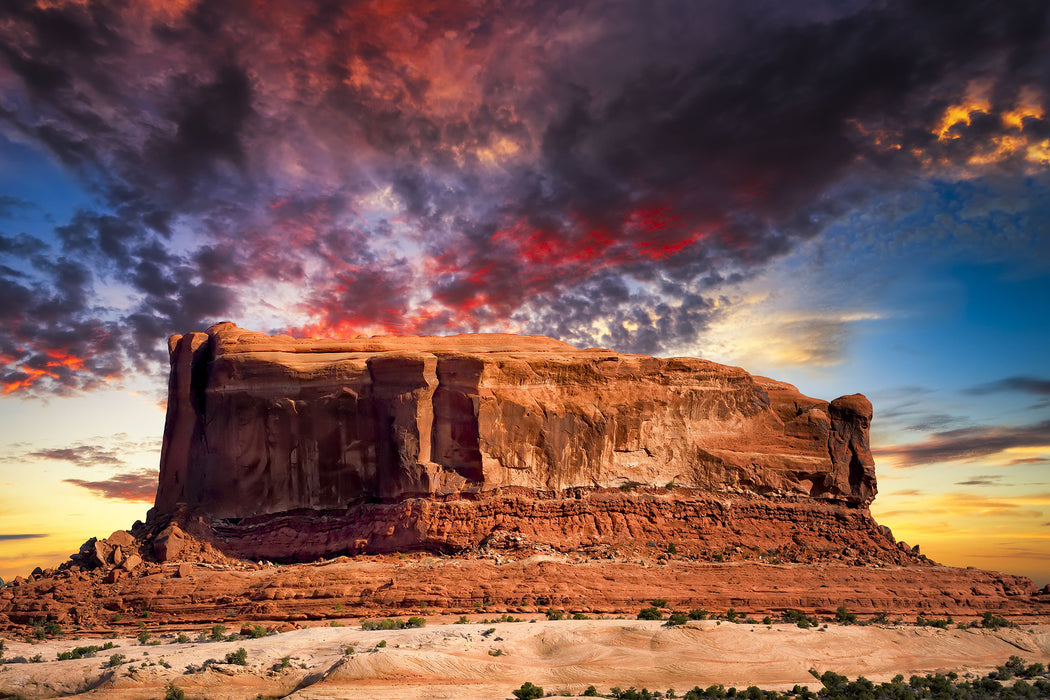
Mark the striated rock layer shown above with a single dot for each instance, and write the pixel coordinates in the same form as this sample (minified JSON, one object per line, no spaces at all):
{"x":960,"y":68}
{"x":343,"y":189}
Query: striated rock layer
{"x":260,"y":425}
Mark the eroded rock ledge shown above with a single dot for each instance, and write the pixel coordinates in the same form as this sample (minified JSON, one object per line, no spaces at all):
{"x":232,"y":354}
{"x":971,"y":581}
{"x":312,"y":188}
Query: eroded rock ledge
{"x":259,"y":424}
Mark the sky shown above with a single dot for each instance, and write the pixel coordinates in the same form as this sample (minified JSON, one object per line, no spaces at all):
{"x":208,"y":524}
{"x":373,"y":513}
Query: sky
{"x":850,"y":196}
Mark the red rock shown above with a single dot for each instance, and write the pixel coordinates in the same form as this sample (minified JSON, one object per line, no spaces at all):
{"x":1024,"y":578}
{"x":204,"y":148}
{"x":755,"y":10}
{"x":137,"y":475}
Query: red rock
{"x":132,"y":561}
{"x":168,"y":545}
{"x":122,"y":538}
{"x":185,"y":570}
{"x":113,"y":576}
{"x":118,"y":556}
{"x":301,"y":424}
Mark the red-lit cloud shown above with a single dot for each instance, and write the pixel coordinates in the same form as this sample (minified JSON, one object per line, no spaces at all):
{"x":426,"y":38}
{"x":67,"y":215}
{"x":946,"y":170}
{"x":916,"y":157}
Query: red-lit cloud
{"x":136,"y":486}
{"x":602,"y":173}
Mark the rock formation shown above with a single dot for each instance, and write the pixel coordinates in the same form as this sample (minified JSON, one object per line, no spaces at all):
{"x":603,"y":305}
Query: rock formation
{"x":260,"y":424}
{"x":374,"y":443}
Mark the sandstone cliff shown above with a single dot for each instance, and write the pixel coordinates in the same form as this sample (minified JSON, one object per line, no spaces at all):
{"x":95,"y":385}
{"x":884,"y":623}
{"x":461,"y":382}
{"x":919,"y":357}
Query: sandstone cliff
{"x":260,"y":425}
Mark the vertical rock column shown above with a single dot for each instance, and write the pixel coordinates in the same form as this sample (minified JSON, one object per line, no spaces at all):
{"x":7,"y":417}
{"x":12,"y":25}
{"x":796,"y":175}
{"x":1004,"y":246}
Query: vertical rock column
{"x":189,"y":355}
{"x":403,"y":387}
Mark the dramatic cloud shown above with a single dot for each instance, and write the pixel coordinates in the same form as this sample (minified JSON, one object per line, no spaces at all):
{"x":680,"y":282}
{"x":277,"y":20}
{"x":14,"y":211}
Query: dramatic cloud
{"x":6,"y":538}
{"x":606,"y":173}
{"x":982,"y":480}
{"x":967,"y":444}
{"x":136,"y":486}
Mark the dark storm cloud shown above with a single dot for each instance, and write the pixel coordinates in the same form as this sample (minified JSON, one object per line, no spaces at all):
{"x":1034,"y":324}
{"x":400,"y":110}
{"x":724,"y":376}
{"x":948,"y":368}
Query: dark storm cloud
{"x":968,"y":444}
{"x":602,"y":173}
{"x":135,"y":486}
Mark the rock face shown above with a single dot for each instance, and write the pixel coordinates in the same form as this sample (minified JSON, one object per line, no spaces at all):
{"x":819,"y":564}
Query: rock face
{"x":263,"y":425}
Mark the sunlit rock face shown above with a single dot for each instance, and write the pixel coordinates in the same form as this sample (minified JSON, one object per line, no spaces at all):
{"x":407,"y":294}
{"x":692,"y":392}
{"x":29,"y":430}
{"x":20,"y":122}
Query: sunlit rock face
{"x":263,"y":424}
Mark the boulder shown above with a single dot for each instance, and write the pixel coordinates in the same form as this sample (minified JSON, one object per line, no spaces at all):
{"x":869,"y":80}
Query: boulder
{"x":122,"y":538}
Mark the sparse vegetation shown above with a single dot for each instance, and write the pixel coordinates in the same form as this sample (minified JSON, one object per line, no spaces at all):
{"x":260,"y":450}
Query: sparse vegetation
{"x":553,"y":614}
{"x":659,"y":603}
{"x":239,"y":657}
{"x":676,"y":619}
{"x":143,"y":635}
{"x":218,"y":633}
{"x":528,"y":691}
{"x":115,"y":660}
{"x":1031,"y":682}
{"x":940,"y":624}
{"x":392,"y":624}
{"x":844,"y":616}
{"x":801,"y":619}
{"x":650,"y":614}
{"x":495,"y":652}
{"x":79,"y":652}
{"x":257,"y":631}
{"x":698,"y":614}
{"x":171,"y":692}
{"x":994,"y":622}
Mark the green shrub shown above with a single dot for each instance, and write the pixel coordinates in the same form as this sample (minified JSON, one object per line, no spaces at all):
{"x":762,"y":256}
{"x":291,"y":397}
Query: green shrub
{"x":391,"y":624}
{"x":732,"y":615}
{"x":382,"y":644}
{"x":182,"y":638}
{"x":591,"y":692}
{"x":698,"y":614}
{"x":257,"y":631}
{"x":580,"y":616}
{"x":115,"y":660}
{"x":78,"y":653}
{"x":993,"y":622}
{"x":671,"y":549}
{"x":553,"y":614}
{"x":218,"y":633}
{"x":659,"y":603}
{"x":142,"y":636}
{"x":173,"y":693}
{"x":286,"y":661}
{"x":650,"y":614}
{"x":239,"y":657}
{"x":528,"y":691}
{"x":677,"y":619}
{"x":845,"y":616}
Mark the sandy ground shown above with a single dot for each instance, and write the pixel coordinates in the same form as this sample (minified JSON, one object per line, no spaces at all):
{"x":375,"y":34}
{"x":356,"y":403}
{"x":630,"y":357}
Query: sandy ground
{"x":457,"y":661}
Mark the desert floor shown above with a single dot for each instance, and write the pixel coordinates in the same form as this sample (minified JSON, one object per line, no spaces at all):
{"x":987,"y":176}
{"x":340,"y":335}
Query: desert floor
{"x":444,"y":660}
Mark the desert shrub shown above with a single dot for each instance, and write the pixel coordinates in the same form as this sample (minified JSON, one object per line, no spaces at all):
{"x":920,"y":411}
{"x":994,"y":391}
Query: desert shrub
{"x":392,"y":624}
{"x":286,"y":662}
{"x":845,"y":616}
{"x":349,"y":651}
{"x":676,"y":619}
{"x":993,"y":622}
{"x":382,"y":644}
{"x":591,"y":692}
{"x":462,"y":620}
{"x":528,"y":691}
{"x":767,"y":620}
{"x":257,"y":631}
{"x":921,"y":621}
{"x":650,"y":614}
{"x":659,"y":603}
{"x":698,"y":614}
{"x":182,"y":638}
{"x":36,"y":659}
{"x":800,"y":618}
{"x":553,"y":614}
{"x":671,"y":549}
{"x":495,"y":652}
{"x":171,"y":692}
{"x":218,"y":633}
{"x":115,"y":660}
{"x":580,"y":616}
{"x":142,"y":636}
{"x":78,"y":653}
{"x":732,"y":615}
{"x":239,"y":657}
